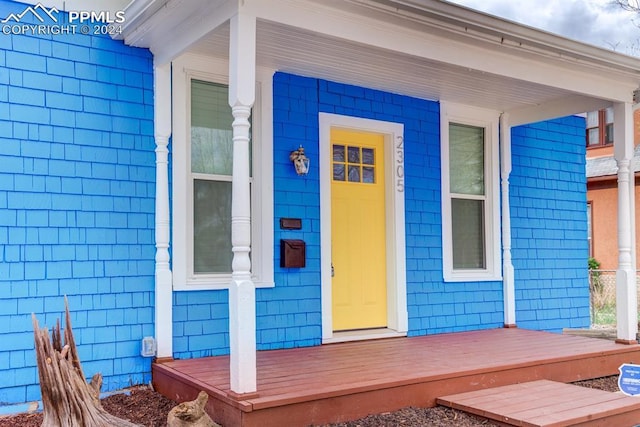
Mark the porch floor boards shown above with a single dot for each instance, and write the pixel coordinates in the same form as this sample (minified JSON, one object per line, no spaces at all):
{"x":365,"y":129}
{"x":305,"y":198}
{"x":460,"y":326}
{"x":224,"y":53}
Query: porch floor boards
{"x":547,"y":403}
{"x":339,"y":382}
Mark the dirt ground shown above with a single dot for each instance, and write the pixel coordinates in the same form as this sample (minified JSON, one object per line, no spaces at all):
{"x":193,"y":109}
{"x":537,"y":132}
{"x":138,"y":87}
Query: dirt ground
{"x":148,"y":408}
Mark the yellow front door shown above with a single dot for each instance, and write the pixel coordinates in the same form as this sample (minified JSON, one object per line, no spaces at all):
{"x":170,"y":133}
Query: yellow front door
{"x":359,"y":282}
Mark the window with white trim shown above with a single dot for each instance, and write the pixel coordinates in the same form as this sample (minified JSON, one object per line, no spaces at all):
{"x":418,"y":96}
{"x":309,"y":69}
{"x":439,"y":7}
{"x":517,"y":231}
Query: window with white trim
{"x":470,"y":220}
{"x":202,"y":148}
{"x":211,"y":165}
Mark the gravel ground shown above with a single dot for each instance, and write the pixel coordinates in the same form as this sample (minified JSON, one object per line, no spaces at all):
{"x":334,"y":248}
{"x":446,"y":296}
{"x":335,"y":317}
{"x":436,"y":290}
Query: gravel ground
{"x":150,"y":409}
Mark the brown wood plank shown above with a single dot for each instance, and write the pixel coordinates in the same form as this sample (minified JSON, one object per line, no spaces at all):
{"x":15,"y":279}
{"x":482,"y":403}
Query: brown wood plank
{"x":566,"y":415}
{"x":328,"y":376}
{"x":544,"y":396}
{"x":301,"y":382}
{"x":501,"y":403}
{"x":568,"y":400}
{"x":542,"y":403}
{"x":393,"y":379}
{"x":506,"y":398}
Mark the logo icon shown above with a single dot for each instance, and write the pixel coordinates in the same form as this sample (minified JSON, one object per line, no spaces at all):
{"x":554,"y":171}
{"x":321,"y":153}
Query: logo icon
{"x":38,"y":11}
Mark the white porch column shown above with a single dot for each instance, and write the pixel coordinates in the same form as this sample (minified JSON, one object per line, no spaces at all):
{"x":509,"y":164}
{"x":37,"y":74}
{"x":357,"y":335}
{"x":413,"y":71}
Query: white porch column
{"x":508,"y":279}
{"x":242,"y":291}
{"x":626,"y":293}
{"x":164,"y":280}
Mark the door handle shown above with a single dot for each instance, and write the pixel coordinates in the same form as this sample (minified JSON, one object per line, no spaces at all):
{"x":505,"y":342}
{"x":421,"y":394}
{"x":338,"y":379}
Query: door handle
{"x":333,"y":272}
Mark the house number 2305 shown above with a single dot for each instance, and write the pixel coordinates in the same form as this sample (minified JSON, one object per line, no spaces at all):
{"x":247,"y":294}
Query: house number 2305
{"x":399,"y":166}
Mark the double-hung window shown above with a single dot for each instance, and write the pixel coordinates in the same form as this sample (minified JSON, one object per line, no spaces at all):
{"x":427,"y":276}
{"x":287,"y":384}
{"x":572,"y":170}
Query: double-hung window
{"x":211,"y":165}
{"x":470,"y":191}
{"x":600,"y":128}
{"x":202,"y":164}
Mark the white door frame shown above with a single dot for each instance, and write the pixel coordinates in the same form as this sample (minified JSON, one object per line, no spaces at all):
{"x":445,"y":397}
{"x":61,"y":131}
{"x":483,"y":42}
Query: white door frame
{"x":397,"y":315}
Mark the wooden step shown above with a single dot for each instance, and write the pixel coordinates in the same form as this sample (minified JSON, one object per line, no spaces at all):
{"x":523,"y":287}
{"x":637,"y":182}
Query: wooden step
{"x":546,"y":403}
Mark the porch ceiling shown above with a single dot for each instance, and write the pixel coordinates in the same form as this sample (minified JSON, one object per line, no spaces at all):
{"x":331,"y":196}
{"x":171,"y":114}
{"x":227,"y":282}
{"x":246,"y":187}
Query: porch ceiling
{"x":425,"y":48}
{"x":298,"y":51}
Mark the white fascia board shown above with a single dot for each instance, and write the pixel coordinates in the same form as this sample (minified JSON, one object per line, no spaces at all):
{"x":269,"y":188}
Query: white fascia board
{"x":175,"y":25}
{"x":138,"y":20}
{"x":136,"y":13}
{"x":464,"y":19}
{"x":467,"y":48}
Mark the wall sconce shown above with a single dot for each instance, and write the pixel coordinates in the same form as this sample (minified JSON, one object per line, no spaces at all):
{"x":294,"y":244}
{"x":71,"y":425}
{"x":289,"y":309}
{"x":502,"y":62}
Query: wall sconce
{"x":300,"y":161}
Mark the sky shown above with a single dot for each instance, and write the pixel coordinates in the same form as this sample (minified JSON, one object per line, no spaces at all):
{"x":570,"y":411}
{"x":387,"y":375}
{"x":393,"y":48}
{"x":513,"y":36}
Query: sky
{"x":598,"y":22}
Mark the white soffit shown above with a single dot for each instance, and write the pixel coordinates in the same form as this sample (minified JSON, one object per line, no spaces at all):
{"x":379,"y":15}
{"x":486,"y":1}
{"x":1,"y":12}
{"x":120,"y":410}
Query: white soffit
{"x":301,"y":52}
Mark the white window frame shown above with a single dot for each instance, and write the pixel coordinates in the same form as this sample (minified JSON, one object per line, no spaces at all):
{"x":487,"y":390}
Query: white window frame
{"x":190,"y":67}
{"x":487,"y":119}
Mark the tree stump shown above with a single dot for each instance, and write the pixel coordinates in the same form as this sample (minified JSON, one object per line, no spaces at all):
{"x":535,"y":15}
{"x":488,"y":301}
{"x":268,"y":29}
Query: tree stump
{"x":191,"y":414}
{"x":67,"y":399}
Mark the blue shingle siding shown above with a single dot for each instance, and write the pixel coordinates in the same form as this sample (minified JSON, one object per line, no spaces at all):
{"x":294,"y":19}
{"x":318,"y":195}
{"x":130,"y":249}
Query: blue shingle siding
{"x":290,"y":314}
{"x":76,"y":203}
{"x":549,"y":227}
{"x":200,"y":324}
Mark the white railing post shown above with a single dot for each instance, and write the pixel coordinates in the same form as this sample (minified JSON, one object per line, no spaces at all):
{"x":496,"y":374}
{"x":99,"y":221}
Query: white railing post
{"x":163,"y":275}
{"x":508,"y":275}
{"x":626,"y":288}
{"x":242,"y":292}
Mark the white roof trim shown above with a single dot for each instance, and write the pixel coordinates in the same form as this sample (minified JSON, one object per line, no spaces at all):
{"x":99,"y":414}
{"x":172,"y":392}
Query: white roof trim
{"x":474,"y":23}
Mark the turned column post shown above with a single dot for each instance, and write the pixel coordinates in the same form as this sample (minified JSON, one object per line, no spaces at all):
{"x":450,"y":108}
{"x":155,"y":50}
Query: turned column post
{"x":163,"y":274}
{"x":626,"y":288}
{"x":242,"y":291}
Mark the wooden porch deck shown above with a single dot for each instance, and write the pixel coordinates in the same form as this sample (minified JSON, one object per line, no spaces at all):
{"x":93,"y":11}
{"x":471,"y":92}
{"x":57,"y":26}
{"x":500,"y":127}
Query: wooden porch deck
{"x":339,"y":382}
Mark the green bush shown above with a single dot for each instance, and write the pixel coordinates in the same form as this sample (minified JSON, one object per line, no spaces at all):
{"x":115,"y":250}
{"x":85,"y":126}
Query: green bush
{"x":595,"y":283}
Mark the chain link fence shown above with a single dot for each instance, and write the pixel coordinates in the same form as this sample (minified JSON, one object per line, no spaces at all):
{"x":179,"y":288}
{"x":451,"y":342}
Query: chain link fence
{"x":602,"y":284}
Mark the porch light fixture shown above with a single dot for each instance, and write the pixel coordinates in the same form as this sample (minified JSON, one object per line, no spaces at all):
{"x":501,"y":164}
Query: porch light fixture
{"x":300,"y":161}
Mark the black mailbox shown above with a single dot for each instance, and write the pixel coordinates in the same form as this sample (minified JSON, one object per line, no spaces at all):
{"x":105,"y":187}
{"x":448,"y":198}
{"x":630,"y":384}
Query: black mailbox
{"x":292,"y":253}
